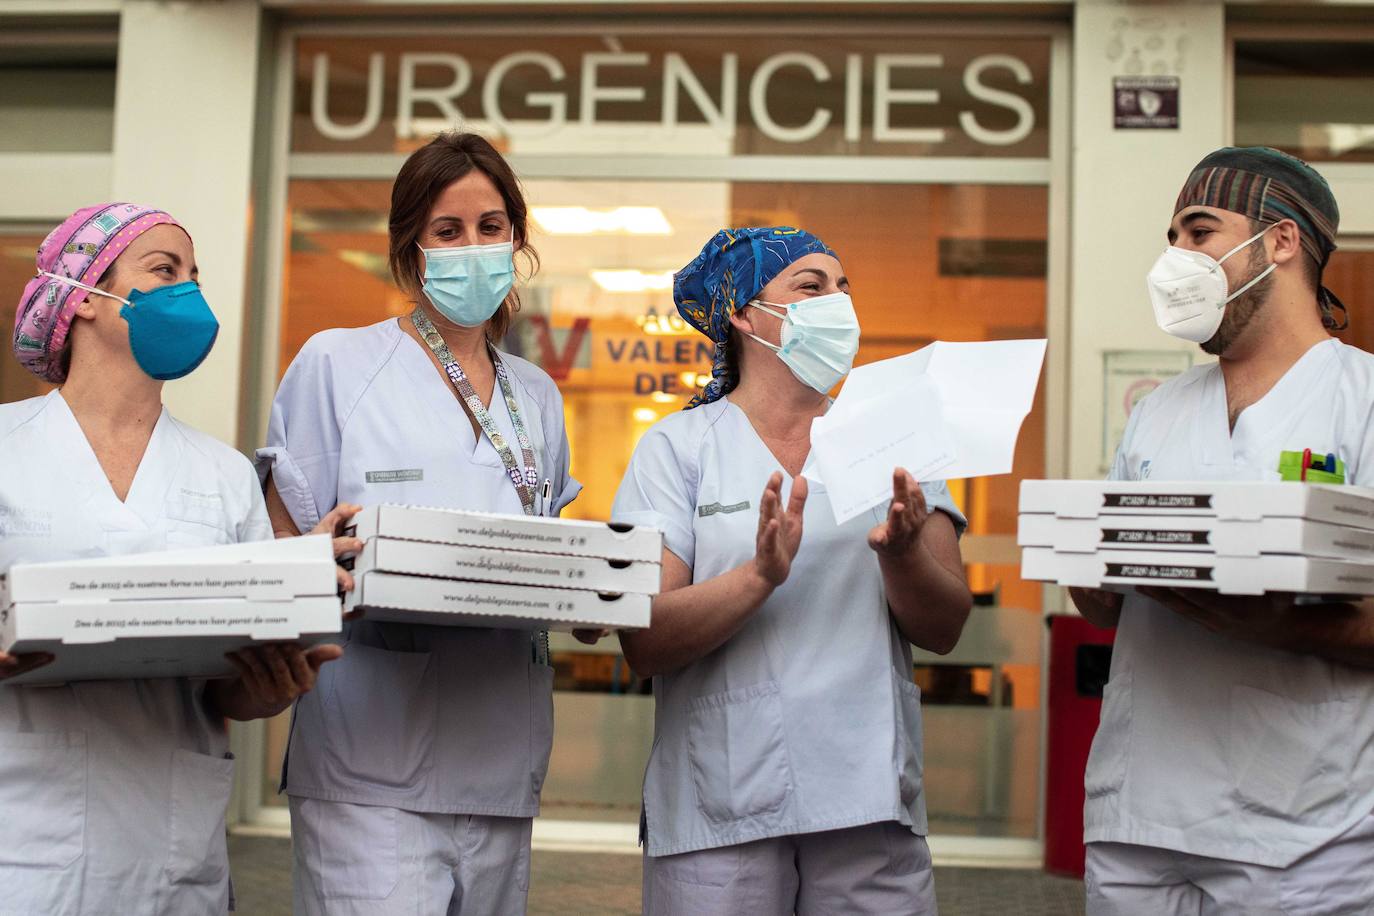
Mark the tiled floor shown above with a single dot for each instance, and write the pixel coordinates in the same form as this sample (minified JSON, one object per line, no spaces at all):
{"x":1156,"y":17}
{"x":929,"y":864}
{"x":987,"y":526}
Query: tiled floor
{"x":574,"y":884}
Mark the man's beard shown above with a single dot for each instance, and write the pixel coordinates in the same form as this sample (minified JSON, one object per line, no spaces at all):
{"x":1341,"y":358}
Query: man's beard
{"x":1242,"y":310}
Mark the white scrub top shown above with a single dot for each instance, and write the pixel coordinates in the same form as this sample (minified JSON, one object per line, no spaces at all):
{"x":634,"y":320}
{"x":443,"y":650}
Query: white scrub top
{"x":113,"y":793}
{"x":446,"y":720}
{"x":1215,"y":746}
{"x":807,"y":719}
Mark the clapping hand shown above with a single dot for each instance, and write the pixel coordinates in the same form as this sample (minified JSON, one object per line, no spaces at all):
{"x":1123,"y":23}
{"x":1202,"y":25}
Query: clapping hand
{"x":780,"y":530}
{"x":896,"y":535}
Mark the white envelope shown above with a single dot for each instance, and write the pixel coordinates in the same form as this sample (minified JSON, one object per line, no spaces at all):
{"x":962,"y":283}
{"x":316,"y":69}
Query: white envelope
{"x":855,"y":453}
{"x":982,"y":393}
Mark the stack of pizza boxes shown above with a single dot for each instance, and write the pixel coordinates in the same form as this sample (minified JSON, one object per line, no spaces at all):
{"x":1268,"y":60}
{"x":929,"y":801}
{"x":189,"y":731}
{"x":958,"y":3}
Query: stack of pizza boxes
{"x":1234,"y":537}
{"x":172,"y":613}
{"x":457,"y":568}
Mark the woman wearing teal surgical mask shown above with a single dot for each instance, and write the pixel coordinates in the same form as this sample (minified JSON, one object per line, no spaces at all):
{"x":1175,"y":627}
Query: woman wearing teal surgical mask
{"x":414,"y":772}
{"x":114,"y":792}
{"x":785,"y":773}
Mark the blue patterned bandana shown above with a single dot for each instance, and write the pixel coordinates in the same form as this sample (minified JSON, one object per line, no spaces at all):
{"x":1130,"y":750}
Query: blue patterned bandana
{"x":730,"y":270}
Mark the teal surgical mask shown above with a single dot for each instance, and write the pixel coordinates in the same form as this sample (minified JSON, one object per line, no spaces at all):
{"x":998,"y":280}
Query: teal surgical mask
{"x":171,"y":328}
{"x":820,"y":338}
{"x":468,"y":284}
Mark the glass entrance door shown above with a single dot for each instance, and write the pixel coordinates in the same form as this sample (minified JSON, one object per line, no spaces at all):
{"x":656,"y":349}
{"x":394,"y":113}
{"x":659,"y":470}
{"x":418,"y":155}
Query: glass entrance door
{"x":925,"y":262}
{"x":921,"y":156}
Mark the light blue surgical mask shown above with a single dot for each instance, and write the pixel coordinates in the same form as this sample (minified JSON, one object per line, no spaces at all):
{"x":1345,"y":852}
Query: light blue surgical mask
{"x":820,"y":338}
{"x":468,"y":284}
{"x":171,"y":328}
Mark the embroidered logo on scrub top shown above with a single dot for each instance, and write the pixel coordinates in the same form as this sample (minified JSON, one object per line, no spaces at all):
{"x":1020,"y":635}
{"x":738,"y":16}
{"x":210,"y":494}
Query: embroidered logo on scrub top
{"x":32,"y":523}
{"x":398,"y":476}
{"x":714,"y":508}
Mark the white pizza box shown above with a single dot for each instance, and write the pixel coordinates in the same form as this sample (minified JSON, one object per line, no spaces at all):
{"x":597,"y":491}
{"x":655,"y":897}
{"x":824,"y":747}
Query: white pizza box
{"x":1341,"y":505}
{"x":100,"y":640}
{"x":514,"y":567}
{"x":573,"y":537}
{"x":1197,"y":534}
{"x":258,"y":570}
{"x":1228,"y":575}
{"x":448,"y":602}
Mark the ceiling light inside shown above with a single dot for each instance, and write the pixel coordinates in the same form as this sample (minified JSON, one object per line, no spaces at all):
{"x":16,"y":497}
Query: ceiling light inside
{"x":632,"y":281}
{"x":618,"y":221}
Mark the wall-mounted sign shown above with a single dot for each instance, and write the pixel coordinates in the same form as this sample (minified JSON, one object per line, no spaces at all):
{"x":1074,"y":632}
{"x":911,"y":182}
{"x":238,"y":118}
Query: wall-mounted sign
{"x":1145,"y":102}
{"x":1128,"y":376}
{"x":691,"y":95}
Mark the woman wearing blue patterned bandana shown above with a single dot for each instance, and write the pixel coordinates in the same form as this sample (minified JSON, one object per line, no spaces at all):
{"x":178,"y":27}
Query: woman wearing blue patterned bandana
{"x":785,"y":774}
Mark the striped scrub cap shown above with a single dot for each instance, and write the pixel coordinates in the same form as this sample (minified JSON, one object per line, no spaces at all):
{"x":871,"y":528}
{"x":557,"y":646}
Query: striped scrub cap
{"x":1267,"y":186}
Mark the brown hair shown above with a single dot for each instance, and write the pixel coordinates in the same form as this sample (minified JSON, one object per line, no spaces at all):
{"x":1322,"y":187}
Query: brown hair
{"x":1311,"y":276}
{"x":427,"y":172}
{"x":730,"y":381}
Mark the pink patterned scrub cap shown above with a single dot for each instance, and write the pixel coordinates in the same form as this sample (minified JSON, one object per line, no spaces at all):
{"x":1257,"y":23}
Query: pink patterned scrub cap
{"x":82,"y":248}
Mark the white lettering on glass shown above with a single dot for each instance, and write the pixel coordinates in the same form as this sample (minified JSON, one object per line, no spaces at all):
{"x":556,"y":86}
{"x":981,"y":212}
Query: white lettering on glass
{"x":556,"y":103}
{"x":884,"y":97}
{"x":1025,"y":115}
{"x":319,"y":101}
{"x":758,"y":97}
{"x":592,"y":93}
{"x":685,"y":96}
{"x":441,"y":98}
{"x":677,"y":75}
{"x":853,"y":96}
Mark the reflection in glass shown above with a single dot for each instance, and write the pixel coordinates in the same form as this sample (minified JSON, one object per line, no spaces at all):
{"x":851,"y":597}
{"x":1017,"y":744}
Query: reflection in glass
{"x":1314,"y":99}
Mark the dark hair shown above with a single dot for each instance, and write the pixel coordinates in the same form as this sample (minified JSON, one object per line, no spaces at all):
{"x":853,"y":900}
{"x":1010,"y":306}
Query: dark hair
{"x":106,"y":282}
{"x":1311,"y":272}
{"x":730,"y":381}
{"x":450,"y":156}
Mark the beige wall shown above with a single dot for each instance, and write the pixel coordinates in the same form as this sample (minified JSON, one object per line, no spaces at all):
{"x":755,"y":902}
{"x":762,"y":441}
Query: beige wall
{"x":183,"y":141}
{"x":1123,"y":187}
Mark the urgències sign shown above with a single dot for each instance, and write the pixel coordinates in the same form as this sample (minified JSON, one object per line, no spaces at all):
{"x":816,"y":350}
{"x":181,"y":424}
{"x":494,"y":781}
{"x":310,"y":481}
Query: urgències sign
{"x":870,"y":96}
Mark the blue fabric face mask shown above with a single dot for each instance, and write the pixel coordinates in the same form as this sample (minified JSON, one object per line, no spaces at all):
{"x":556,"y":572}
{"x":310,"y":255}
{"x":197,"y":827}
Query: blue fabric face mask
{"x":820,"y":338}
{"x":171,"y":328}
{"x":468,"y":284}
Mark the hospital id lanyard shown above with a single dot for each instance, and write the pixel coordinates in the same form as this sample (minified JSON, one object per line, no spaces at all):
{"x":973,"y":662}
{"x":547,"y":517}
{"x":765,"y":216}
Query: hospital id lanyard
{"x":526,"y":482}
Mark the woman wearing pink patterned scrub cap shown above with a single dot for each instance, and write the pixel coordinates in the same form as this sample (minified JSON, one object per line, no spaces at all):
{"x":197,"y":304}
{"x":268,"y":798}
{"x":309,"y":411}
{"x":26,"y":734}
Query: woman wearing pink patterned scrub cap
{"x":114,"y":792}
{"x":145,"y":252}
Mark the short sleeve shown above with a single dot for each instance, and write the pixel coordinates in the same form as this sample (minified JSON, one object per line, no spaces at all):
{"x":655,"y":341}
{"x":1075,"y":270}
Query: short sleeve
{"x":1356,"y":400}
{"x":303,"y":439}
{"x":253,"y":524}
{"x":565,"y":487}
{"x":1364,"y":458}
{"x":659,"y":491}
{"x":1120,"y":469}
{"x":938,"y":497}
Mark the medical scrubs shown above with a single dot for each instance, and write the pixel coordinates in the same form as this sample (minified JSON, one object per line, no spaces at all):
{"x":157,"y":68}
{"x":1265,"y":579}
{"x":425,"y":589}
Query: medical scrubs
{"x":113,"y":793}
{"x":807,"y":720}
{"x":420,"y":735}
{"x":1213,"y":747}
